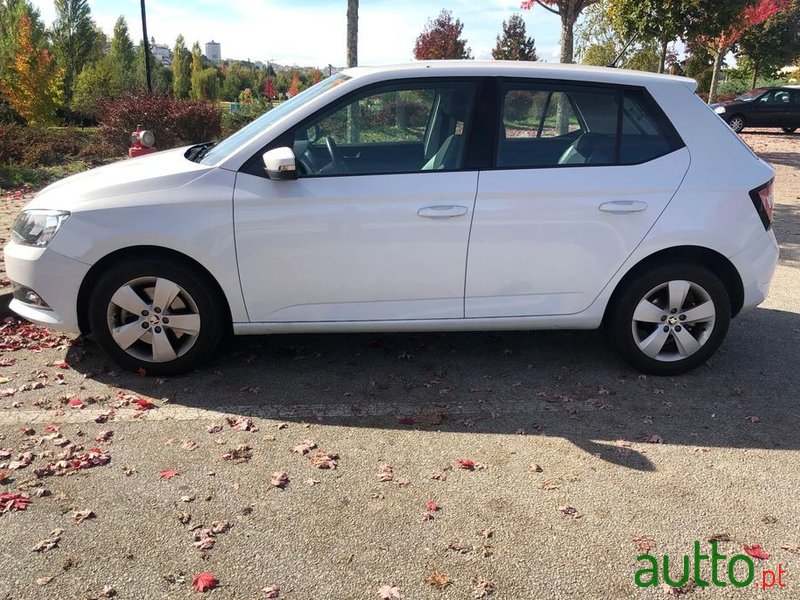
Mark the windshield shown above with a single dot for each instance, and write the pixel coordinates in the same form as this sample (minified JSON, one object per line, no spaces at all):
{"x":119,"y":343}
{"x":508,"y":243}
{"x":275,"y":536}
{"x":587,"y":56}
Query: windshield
{"x":751,"y":95}
{"x":248,"y":132}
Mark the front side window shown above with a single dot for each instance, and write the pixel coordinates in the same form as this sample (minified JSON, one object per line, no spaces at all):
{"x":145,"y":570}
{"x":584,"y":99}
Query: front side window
{"x":546,"y":125}
{"x":394,"y":128}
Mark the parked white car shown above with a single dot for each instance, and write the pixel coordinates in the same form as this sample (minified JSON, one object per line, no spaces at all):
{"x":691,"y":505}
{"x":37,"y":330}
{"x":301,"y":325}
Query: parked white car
{"x":435,"y":196}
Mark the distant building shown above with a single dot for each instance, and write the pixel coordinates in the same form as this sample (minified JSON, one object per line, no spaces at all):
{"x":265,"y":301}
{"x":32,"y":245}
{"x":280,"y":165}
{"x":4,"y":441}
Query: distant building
{"x":214,"y":52}
{"x":163,"y":53}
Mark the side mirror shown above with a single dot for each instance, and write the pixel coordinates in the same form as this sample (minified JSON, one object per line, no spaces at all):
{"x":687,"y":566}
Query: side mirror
{"x":280,"y":164}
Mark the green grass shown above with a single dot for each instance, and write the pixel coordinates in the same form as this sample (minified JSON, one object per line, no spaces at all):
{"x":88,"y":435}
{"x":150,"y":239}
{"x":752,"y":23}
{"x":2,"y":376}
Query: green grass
{"x":15,"y":176}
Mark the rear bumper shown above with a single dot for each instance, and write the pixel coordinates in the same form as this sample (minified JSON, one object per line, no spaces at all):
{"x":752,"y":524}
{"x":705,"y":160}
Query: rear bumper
{"x":756,"y":266}
{"x":54,"y":277}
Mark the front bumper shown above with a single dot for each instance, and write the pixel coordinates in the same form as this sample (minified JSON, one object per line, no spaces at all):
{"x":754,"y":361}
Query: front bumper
{"x":756,"y":265}
{"x":54,"y":277}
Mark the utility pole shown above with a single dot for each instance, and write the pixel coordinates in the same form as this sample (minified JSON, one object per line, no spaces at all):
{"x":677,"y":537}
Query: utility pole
{"x":146,"y":48}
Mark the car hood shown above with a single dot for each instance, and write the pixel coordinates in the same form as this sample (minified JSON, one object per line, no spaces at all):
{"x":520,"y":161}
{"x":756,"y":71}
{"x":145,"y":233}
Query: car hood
{"x":112,"y":183}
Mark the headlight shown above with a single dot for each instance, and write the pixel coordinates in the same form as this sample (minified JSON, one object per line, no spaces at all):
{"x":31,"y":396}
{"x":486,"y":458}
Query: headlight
{"x":37,"y":227}
{"x":719,"y":110}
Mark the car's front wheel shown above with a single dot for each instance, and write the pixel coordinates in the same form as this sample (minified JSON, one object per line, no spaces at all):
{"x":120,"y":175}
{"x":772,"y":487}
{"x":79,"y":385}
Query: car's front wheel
{"x":736,"y":123}
{"x":670,"y":319}
{"x":789,"y":129}
{"x":155,"y":315}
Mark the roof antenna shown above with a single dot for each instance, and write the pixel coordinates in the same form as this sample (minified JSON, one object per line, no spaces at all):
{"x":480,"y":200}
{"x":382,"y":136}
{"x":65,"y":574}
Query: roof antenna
{"x":613,"y":64}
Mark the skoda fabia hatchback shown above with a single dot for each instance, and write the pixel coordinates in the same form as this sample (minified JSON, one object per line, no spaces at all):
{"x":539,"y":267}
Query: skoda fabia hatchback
{"x":434,"y":196}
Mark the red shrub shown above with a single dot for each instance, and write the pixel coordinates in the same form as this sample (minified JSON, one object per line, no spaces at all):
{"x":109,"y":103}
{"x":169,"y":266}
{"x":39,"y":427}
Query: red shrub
{"x":175,"y":122}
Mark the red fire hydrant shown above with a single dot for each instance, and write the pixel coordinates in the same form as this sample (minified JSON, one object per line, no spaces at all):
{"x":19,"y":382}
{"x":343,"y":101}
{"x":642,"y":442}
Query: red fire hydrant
{"x":142,"y":142}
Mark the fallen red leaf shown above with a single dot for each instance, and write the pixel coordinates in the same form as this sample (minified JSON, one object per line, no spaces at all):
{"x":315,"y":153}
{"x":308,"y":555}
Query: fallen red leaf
{"x":9,"y":502}
{"x":756,"y":551}
{"x":204,"y":582}
{"x":432,"y":506}
{"x":141,"y":372}
{"x":76,"y":403}
{"x":405,"y":420}
{"x":143,"y":404}
{"x":168,"y":473}
{"x":466,"y":463}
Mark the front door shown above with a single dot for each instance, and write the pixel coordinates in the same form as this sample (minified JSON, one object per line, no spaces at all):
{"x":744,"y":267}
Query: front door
{"x":377,"y":224}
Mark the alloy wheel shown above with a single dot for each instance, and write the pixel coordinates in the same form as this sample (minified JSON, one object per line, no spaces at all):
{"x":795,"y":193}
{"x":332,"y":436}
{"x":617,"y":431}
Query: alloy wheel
{"x":153,"y":319}
{"x":737,"y":124}
{"x":673,"y":321}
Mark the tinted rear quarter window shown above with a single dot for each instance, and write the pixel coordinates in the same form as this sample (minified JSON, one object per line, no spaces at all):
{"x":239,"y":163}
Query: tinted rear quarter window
{"x":568,"y":125}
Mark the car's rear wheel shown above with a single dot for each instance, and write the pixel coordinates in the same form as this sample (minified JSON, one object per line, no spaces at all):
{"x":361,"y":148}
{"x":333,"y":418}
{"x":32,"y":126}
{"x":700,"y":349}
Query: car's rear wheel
{"x":736,"y":123}
{"x":155,"y":315}
{"x":670,"y":319}
{"x":789,"y":129}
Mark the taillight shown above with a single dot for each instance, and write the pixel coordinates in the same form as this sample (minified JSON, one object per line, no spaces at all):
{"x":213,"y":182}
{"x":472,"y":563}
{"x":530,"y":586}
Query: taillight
{"x":764,"y":202}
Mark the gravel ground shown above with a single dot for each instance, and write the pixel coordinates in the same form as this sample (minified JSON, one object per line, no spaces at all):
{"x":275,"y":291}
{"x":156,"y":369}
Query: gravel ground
{"x":626,"y":461}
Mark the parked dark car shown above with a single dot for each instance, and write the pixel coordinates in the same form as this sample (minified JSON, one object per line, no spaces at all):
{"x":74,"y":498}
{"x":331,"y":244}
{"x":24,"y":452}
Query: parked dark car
{"x":763,"y":107}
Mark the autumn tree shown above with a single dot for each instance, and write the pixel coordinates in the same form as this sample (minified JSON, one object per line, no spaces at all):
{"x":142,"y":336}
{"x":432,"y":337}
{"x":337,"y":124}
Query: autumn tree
{"x":181,"y":69}
{"x":270,"y":93}
{"x":568,"y":11}
{"x":441,"y":39}
{"x":514,"y":43}
{"x":10,"y":12}
{"x":31,"y":81}
{"x":775,"y":43}
{"x":74,"y":36}
{"x":725,"y":27}
{"x":294,"y":87}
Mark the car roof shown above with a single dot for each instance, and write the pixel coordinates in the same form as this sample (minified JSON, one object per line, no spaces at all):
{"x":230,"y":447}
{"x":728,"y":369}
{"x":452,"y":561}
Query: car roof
{"x":503,"y":68}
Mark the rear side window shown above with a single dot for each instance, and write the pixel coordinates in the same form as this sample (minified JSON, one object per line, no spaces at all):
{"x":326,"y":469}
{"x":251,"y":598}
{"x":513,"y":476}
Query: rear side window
{"x":547,"y":125}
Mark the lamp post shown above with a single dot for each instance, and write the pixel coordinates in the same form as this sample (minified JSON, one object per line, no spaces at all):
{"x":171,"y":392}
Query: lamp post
{"x":146,"y":48}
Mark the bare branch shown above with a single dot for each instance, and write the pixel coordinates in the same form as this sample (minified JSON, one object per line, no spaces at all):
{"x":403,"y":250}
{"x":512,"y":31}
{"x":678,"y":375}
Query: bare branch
{"x":550,"y":8}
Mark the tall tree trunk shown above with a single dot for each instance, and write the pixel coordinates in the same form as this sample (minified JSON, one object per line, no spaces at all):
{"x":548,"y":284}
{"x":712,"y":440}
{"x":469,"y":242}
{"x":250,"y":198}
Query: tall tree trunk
{"x":662,"y":62}
{"x":712,"y":93}
{"x":567,"y":35}
{"x":353,"y":118}
{"x":352,"y":33}
{"x":755,"y":75}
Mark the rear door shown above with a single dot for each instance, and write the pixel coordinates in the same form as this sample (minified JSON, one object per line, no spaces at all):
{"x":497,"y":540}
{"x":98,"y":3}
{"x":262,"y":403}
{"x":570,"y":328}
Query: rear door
{"x":547,"y":237}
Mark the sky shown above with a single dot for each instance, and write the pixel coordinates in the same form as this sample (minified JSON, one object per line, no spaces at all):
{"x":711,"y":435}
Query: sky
{"x":312,"y":32}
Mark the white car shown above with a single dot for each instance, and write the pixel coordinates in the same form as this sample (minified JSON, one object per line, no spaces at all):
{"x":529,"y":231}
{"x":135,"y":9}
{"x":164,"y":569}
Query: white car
{"x":434,"y":196}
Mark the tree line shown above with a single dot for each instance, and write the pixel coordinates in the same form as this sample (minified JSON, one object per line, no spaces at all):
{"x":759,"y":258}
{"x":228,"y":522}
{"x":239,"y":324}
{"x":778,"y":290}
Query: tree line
{"x":763,"y":35}
{"x":63,"y":73}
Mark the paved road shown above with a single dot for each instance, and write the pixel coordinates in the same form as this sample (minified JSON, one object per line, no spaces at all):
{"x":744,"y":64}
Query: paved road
{"x":643,"y":461}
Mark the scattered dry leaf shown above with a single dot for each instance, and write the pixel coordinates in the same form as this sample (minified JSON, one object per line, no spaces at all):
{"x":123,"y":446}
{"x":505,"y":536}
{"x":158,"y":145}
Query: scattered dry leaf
{"x":438,"y":580}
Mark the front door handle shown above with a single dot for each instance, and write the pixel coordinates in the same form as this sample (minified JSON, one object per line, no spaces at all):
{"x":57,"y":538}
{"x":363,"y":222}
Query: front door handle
{"x":623,"y":206}
{"x":445,"y":211}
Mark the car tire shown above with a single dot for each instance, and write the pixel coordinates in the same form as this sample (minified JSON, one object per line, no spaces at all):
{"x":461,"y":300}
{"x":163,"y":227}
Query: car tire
{"x":670,"y":319}
{"x":736,"y":122}
{"x":789,"y":129}
{"x":156,"y":315}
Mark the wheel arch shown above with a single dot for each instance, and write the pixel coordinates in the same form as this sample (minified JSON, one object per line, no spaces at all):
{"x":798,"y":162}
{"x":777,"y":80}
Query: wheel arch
{"x":712,"y":260}
{"x":139,"y":253}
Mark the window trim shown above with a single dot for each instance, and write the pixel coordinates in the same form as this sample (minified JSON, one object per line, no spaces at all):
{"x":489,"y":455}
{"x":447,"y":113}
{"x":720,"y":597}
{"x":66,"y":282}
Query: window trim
{"x":668,"y":130}
{"x":254,"y":164}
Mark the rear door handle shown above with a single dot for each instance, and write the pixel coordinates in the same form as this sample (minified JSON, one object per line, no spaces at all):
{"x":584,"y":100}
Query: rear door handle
{"x":623,"y":206}
{"x":444,"y":211}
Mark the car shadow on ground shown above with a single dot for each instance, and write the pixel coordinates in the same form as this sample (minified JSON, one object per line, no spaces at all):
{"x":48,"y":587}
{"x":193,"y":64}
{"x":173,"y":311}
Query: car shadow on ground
{"x":565,"y":384}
